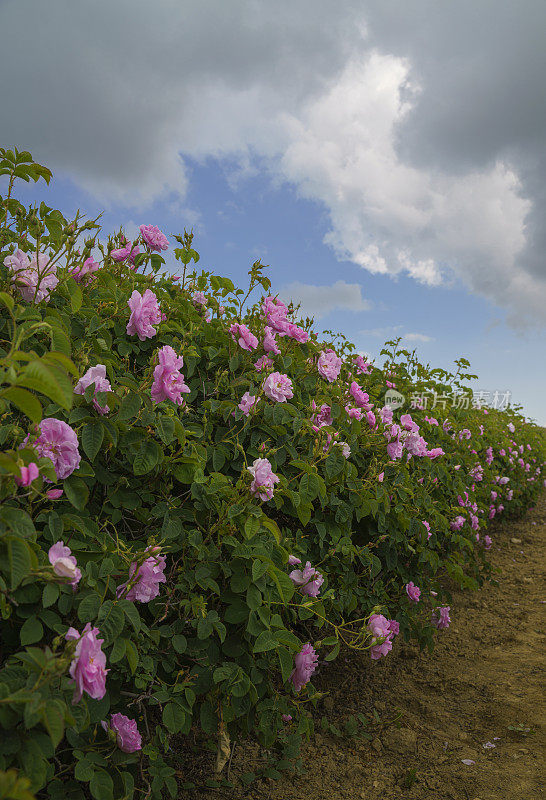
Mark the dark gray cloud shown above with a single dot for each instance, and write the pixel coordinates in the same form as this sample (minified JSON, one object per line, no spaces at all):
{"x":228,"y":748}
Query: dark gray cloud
{"x":420,"y":126}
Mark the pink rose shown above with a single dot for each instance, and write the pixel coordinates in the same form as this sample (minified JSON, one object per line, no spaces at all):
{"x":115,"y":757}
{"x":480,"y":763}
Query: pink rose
{"x":329,"y":365}
{"x":244,"y":337}
{"x":263,"y":363}
{"x":85,"y":271}
{"x":362,"y":365}
{"x":322,"y":418}
{"x":305,"y":664}
{"x":361,"y":398}
{"x":168,"y":380}
{"x":154,"y":238}
{"x":270,"y":344}
{"x":58,"y":442}
{"x":128,"y":738}
{"x":264,"y":479}
{"x":145,"y":313}
{"x":28,"y":474}
{"x":413,"y":592}
{"x":383,"y":632}
{"x":441,"y":618}
{"x":64,"y":564}
{"x":34,"y":278}
{"x":278,"y":387}
{"x":199,"y":299}
{"x":144,"y":581}
{"x":247,"y":403}
{"x":308,"y":580}
{"x":88,"y":668}
{"x":126,"y":253}
{"x":96,"y":375}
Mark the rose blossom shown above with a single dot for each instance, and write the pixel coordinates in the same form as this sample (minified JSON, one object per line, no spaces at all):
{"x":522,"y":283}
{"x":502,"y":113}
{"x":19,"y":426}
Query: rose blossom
{"x":308,"y":580}
{"x":128,"y":738}
{"x":28,"y":474}
{"x":58,"y":442}
{"x":88,"y":668}
{"x":243,"y":336}
{"x":413,"y":592}
{"x":96,"y":375}
{"x":145,"y":313}
{"x":441,"y":618}
{"x":85,"y":271}
{"x":270,"y":344}
{"x":247,"y":402}
{"x":54,"y":494}
{"x":322,"y":418}
{"x":386,"y":415}
{"x":126,"y":253}
{"x":168,"y":380}
{"x":63,"y":562}
{"x":199,"y":299}
{"x":354,"y":413}
{"x":293,"y":560}
{"x":36,"y":277}
{"x":278,"y":387}
{"x":305,"y":664}
{"x":263,"y":363}
{"x":329,"y":365}
{"x":362,"y":365}
{"x":381,"y":628}
{"x":154,"y":238}
{"x":145,"y":581}
{"x":361,"y":398}
{"x":264,"y":479}
{"x":427,"y":526}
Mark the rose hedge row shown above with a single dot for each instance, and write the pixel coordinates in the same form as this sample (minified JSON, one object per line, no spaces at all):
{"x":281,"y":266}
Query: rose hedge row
{"x":198,"y":501}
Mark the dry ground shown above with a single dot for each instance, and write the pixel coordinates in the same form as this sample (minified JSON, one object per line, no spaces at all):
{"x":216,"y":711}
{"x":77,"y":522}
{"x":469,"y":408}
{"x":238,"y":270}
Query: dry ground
{"x":482,"y":683}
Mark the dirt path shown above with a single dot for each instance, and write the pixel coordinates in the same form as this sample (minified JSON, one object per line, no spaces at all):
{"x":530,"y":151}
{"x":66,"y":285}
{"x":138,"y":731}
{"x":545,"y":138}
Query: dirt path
{"x":485,"y":675}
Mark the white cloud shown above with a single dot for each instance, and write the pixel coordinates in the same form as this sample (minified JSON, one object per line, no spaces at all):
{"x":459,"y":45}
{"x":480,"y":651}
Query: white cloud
{"x":417,"y":337}
{"x":318,"y":301}
{"x":301,"y":90}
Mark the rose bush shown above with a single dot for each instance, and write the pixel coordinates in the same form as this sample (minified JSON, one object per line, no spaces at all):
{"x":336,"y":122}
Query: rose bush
{"x":150,"y":519}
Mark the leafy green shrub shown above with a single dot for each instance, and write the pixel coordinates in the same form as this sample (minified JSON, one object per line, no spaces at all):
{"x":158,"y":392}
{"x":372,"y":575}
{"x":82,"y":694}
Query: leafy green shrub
{"x":178,"y":536}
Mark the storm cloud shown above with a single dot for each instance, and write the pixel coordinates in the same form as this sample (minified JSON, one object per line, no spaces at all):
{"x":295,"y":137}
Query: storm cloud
{"x":420,"y":127}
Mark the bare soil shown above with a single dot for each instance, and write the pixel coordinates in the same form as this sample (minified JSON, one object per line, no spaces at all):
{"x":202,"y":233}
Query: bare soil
{"x":482,"y":684}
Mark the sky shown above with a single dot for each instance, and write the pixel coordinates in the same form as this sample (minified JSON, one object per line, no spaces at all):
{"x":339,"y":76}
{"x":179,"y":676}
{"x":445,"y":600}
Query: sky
{"x":387,"y":160}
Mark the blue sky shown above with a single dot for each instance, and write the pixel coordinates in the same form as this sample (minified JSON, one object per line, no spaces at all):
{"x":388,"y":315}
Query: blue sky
{"x":387,"y":160}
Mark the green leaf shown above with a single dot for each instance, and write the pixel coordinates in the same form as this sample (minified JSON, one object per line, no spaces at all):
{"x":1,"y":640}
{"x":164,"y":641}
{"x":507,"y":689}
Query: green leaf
{"x":25,"y":402}
{"x":7,"y":300}
{"x":131,"y":612}
{"x":50,"y":594}
{"x":83,"y":770}
{"x":284,"y":585}
{"x":18,"y":520}
{"x":102,"y":786}
{"x":286,"y":661}
{"x":31,"y":631}
{"x":179,"y":643}
{"x":19,"y":560}
{"x":77,"y":492}
{"x":110,"y":621}
{"x":265,"y":641}
{"x":174,"y":717}
{"x":129,"y":407}
{"x":131,"y":653}
{"x":75,"y":293}
{"x":92,"y":436}
{"x":165,"y":428}
{"x":53,"y":719}
{"x":43,"y":379}
{"x":146,"y":458}
{"x":89,"y":607}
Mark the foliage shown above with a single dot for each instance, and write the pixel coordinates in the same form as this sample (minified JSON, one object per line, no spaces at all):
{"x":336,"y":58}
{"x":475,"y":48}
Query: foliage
{"x":214,"y":651}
